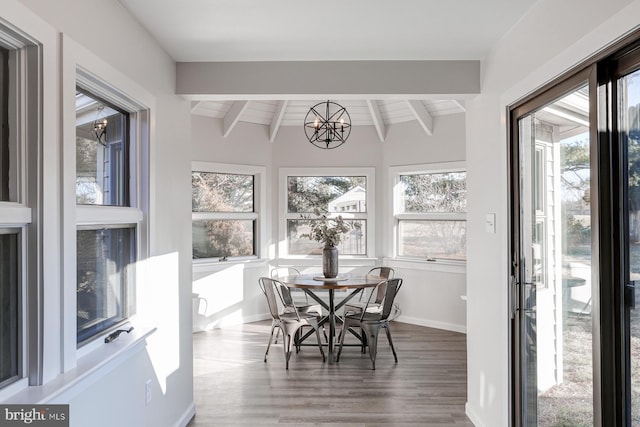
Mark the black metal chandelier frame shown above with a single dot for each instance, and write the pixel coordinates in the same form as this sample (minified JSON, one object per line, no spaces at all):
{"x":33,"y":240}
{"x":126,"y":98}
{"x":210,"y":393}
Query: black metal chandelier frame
{"x":100,"y":126}
{"x":327,"y":125}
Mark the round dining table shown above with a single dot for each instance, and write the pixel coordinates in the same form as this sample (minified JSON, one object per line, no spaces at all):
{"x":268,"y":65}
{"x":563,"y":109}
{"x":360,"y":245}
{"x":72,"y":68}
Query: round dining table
{"x":312,"y":284}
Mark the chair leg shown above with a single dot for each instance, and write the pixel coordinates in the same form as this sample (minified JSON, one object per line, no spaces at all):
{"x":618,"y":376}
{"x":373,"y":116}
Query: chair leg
{"x":393,"y":349}
{"x":273,"y":326}
{"x":316,"y":327}
{"x":372,"y":336}
{"x":287,"y":344}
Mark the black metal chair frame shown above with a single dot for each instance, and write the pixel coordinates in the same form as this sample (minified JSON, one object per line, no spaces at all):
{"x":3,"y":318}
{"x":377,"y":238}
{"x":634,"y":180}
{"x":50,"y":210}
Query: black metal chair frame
{"x":289,"y":320}
{"x":371,"y":323}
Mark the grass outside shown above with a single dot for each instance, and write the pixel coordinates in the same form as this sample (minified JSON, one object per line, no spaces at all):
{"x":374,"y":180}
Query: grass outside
{"x":570,"y":404}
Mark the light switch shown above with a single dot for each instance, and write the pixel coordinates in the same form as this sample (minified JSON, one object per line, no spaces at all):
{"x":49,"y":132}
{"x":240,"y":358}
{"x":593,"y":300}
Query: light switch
{"x":490,"y":223}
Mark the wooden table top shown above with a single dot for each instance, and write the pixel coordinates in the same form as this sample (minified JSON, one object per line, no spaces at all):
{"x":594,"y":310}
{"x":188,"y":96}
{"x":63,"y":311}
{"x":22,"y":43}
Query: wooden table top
{"x":343,"y":281}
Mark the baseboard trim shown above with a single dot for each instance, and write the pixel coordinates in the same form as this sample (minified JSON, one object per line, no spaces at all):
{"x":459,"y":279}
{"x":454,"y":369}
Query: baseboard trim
{"x":222,"y":323}
{"x":187,"y":416}
{"x":472,"y":415}
{"x":433,"y":324}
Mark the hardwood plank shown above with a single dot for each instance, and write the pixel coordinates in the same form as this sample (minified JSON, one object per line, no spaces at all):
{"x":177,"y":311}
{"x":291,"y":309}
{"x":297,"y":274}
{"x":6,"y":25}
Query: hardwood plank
{"x":234,"y":387}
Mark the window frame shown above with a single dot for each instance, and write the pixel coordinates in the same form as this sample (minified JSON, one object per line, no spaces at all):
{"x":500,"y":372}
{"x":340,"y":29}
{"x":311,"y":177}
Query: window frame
{"x":22,"y":216}
{"x":80,"y":67}
{"x":368,"y":216}
{"x":397,"y":213}
{"x":114,"y":216}
{"x":258,"y":215}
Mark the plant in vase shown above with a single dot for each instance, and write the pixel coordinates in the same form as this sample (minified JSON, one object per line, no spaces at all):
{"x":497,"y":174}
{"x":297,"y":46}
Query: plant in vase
{"x":328,"y":231}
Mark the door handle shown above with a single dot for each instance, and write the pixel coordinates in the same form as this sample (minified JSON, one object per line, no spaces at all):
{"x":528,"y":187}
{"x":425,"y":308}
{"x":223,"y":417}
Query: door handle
{"x":630,"y":295}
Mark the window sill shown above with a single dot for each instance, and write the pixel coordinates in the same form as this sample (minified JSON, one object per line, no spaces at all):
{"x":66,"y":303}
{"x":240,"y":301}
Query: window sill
{"x":441,"y":266}
{"x":212,"y":264}
{"x":89,"y":368}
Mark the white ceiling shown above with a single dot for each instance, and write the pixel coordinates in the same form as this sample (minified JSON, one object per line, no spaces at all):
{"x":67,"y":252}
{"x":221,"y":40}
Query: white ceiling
{"x":303,"y":30}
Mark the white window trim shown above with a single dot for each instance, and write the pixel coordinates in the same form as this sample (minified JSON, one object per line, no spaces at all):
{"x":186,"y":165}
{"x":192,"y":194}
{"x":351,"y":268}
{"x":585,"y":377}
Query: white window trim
{"x":37,"y":139}
{"x":369,"y":173}
{"x":259,"y":214}
{"x":395,"y":213}
{"x":82,"y":66}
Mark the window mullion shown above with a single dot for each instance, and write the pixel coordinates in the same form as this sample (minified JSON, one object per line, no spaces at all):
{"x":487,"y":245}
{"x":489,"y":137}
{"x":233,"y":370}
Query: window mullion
{"x":220,"y":216}
{"x":88,"y":215}
{"x":440,"y":216}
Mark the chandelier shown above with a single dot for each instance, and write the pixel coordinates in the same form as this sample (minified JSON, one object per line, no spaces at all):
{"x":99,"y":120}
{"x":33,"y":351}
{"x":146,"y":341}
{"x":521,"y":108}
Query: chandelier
{"x":327,"y":125}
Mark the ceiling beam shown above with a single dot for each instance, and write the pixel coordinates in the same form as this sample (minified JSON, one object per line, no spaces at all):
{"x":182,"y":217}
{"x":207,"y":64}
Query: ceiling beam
{"x":277,"y":119}
{"x":232,"y":116}
{"x":374,"y":108}
{"x":422,"y":115}
{"x":308,"y":79}
{"x":459,"y":105}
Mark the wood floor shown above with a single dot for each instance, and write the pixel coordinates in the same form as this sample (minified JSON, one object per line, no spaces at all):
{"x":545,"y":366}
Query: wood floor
{"x":233,"y":386}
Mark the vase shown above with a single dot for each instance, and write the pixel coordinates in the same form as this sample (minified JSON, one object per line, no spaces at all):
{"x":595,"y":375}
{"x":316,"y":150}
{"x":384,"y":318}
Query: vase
{"x":330,"y":262}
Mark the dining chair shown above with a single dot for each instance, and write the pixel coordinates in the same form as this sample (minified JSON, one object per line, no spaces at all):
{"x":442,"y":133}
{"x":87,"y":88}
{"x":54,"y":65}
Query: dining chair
{"x":358,"y":306}
{"x":303,"y":306}
{"x":371,"y":323}
{"x":289,"y":320}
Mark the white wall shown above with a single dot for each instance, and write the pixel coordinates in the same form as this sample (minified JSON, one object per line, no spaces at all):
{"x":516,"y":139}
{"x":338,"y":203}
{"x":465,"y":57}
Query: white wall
{"x":117,"y":398}
{"x":529,"y":56}
{"x":429,"y":297}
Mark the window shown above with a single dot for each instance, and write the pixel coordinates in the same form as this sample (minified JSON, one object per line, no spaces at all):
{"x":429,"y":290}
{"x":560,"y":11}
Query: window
{"x":108,"y":215}
{"x":9,"y":300}
{"x":20,"y":100}
{"x":226,"y":210}
{"x":348,"y":193}
{"x":105,"y":261}
{"x":430,"y":212}
{"x":101,"y":152}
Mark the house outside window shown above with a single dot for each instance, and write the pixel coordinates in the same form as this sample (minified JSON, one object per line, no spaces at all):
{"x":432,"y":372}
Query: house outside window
{"x":108,"y":216}
{"x":346,"y":192}
{"x":430,"y":212}
{"x":227,"y":209}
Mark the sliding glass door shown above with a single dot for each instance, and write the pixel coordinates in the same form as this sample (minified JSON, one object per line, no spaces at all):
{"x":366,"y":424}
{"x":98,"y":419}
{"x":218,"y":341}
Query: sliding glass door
{"x":626,"y":90}
{"x":575,"y":240}
{"x":553,"y":277}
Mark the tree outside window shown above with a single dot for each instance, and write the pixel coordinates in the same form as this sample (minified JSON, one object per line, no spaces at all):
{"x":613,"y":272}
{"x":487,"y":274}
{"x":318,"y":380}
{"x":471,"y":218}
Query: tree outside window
{"x":224,"y":217}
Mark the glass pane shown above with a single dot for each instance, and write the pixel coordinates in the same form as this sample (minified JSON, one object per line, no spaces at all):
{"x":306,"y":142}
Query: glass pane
{"x":556,"y":239}
{"x":435,"y":192}
{"x":223,"y":238}
{"x":333,"y":194}
{"x":353,"y":242}
{"x":8,"y":124}
{"x":104,"y":278}
{"x":222,"y":192}
{"x":102,"y":170}
{"x":629,"y":89}
{"x":432,"y":239}
{"x":9,"y":315}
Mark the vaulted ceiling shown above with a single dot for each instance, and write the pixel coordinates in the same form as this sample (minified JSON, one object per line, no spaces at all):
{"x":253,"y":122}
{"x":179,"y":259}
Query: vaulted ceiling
{"x":301,"y":30}
{"x":376,"y":113}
